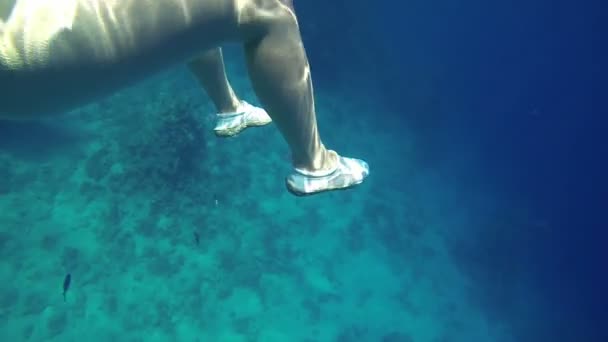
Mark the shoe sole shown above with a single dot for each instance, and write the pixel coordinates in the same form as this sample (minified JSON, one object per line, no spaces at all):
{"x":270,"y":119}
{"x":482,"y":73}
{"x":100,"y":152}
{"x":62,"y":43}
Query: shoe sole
{"x":238,"y":129}
{"x":306,"y":194}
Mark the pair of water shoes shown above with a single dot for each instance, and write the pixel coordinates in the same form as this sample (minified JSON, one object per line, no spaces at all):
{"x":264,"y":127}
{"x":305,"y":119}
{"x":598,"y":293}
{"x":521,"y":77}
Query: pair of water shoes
{"x":347,"y":172}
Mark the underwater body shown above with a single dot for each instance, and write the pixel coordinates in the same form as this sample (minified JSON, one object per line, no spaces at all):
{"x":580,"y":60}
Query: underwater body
{"x":127,"y":219}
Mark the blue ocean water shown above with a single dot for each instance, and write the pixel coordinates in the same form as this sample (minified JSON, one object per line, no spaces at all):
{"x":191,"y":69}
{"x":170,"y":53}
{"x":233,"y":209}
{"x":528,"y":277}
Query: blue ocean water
{"x":505,"y":100}
{"x":482,"y":219}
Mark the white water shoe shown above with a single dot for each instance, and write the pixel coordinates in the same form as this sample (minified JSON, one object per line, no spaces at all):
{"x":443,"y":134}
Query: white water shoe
{"x":246,"y":115}
{"x":347,"y":173}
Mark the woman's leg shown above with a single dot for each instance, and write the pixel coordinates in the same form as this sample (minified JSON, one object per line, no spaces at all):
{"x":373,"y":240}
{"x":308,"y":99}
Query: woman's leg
{"x":211,"y":74}
{"x":280,"y":75}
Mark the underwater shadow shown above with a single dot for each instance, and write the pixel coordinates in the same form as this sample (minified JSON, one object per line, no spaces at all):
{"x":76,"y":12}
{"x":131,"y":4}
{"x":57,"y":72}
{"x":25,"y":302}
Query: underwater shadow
{"x":39,"y":139}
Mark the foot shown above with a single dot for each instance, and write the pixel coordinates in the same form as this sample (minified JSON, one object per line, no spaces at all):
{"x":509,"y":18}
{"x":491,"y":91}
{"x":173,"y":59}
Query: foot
{"x":346,"y":173}
{"x":246,"y":115}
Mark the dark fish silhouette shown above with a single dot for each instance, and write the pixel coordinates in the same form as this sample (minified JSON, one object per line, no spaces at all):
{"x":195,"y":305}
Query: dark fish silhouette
{"x":197,"y":238}
{"x":66,"y":284}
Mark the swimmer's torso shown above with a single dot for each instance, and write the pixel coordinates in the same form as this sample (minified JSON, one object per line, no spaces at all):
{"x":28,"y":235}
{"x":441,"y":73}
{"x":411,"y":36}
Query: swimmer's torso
{"x":79,"y":49}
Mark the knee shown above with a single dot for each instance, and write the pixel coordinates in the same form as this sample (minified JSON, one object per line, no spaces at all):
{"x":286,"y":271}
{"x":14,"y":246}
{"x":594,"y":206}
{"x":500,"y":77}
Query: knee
{"x":288,"y":3}
{"x":260,"y":16}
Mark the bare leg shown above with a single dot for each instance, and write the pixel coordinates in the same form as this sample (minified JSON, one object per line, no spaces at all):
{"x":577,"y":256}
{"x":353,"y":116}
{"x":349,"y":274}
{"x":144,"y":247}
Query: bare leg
{"x":211,"y":74}
{"x":280,"y":74}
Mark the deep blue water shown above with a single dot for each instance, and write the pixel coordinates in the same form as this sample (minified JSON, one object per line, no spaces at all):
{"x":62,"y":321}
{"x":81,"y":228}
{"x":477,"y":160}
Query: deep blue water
{"x":518,"y":87}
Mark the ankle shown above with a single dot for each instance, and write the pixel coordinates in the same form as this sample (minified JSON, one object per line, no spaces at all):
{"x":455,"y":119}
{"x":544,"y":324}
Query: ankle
{"x":229,"y":107}
{"x":324,"y":161}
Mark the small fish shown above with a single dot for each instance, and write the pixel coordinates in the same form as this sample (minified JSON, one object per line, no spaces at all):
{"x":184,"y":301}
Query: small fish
{"x":66,"y":284}
{"x":197,"y":238}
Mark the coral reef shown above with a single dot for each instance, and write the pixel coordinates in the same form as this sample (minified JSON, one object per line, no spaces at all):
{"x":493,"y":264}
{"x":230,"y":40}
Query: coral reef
{"x":171,"y":154}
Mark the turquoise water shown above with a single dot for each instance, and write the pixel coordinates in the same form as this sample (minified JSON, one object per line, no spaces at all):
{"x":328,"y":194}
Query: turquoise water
{"x":172,"y":234}
{"x":113,"y":193}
